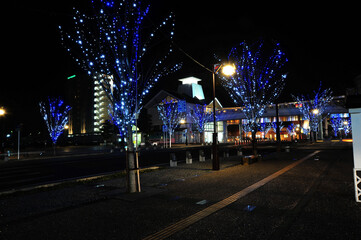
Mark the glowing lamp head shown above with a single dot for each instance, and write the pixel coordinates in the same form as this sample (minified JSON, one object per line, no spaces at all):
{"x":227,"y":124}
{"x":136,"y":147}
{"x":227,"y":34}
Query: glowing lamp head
{"x":345,"y":123}
{"x":228,"y":69}
{"x":182,"y":121}
{"x":315,"y":111}
{"x":2,"y":112}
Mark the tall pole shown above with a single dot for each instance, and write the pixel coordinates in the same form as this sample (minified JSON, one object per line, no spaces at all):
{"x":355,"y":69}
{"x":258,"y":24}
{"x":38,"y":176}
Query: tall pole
{"x":18,"y":143}
{"x":278,"y":132}
{"x":215,"y":161}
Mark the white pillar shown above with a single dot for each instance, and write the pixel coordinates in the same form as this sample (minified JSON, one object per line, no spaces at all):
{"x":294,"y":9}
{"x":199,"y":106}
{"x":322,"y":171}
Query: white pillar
{"x":356,"y":143}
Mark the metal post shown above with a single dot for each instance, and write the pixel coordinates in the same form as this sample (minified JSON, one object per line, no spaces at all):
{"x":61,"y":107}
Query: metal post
{"x":278,"y":133}
{"x":215,"y":161}
{"x":18,"y":144}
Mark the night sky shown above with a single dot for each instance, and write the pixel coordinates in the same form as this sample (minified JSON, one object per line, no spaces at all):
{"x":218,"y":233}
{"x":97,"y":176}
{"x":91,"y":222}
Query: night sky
{"x":321,"y":42}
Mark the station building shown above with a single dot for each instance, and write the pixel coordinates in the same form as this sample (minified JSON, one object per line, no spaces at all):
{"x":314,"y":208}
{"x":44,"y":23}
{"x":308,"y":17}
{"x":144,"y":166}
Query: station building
{"x":231,"y":122}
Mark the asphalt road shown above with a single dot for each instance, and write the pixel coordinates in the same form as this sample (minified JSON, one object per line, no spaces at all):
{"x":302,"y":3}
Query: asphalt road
{"x":312,"y":200}
{"x":15,"y":175}
{"x":20,"y":174}
{"x":75,"y":163}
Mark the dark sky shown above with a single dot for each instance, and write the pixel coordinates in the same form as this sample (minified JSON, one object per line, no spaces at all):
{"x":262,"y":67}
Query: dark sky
{"x":322,"y":43}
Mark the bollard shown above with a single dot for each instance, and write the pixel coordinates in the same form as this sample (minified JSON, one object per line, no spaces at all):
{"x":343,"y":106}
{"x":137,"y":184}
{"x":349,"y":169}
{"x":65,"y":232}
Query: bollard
{"x":188,"y":157}
{"x":239,"y":152}
{"x":226,"y":153}
{"x":247,"y":160}
{"x":173,"y":160}
{"x":287,"y":148}
{"x":202,"y":158}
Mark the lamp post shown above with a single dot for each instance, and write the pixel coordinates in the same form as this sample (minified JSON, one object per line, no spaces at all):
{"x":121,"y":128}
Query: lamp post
{"x":227,"y":70}
{"x":2,"y":146}
{"x":315,"y":112}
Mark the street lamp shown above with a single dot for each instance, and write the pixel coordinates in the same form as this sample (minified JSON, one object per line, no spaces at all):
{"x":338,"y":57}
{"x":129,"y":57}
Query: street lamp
{"x":2,"y":146}
{"x":315,"y":111}
{"x":228,"y":70}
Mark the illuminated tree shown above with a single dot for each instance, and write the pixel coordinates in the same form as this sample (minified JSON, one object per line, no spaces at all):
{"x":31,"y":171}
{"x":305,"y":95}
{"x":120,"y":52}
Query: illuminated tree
{"x":263,"y":128}
{"x":170,"y":116}
{"x":55,"y":114}
{"x":339,"y":123}
{"x":200,"y":117}
{"x":113,"y":43}
{"x":313,"y":108}
{"x":258,"y":81}
{"x":274,"y":126}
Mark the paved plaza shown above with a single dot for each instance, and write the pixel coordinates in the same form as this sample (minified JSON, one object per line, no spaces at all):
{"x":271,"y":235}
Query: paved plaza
{"x":303,"y":194}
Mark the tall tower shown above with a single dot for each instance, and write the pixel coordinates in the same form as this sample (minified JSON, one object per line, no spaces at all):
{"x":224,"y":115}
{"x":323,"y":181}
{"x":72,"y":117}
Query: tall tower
{"x":191,"y":87}
{"x":102,"y":103}
{"x":79,"y":96}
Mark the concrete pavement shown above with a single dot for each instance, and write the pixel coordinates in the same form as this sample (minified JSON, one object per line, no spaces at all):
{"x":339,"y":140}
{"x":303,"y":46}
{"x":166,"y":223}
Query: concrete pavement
{"x":313,"y":200}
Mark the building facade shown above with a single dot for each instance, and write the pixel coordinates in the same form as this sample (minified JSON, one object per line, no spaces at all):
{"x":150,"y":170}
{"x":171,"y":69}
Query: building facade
{"x":232,"y":123}
{"x":102,"y":104}
{"x":80,"y":98}
{"x":90,"y":108}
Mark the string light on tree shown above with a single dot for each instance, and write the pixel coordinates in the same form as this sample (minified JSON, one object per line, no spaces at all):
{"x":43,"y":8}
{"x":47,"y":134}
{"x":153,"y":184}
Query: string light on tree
{"x":170,"y":115}
{"x":115,"y":42}
{"x":200,"y":117}
{"x":55,"y":114}
{"x":313,"y":108}
{"x":258,"y":80}
{"x":340,"y":123}
{"x":109,"y":43}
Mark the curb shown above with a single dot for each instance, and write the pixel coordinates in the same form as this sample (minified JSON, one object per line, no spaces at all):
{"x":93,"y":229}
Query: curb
{"x":71,"y":180}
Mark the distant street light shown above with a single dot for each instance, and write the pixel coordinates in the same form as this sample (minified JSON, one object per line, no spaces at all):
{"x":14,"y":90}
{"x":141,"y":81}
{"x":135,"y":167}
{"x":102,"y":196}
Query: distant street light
{"x":315,"y":111}
{"x":228,"y":70}
{"x":2,"y":144}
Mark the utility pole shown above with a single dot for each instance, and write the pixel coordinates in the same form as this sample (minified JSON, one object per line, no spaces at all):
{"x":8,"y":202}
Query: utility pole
{"x":278,"y":133}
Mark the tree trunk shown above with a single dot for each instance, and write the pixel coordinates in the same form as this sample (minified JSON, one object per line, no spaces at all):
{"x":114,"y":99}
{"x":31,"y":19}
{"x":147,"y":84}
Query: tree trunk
{"x":54,"y":147}
{"x":131,"y":164}
{"x":254,"y":141}
{"x":170,"y":139}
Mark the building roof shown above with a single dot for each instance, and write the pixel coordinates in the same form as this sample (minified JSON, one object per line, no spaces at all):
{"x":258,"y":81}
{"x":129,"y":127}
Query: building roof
{"x":161,"y":95}
{"x":190,"y":80}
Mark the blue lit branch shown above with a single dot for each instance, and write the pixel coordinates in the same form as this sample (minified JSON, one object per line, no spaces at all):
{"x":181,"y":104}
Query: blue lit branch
{"x":200,"y":117}
{"x":258,"y":81}
{"x":55,"y":114}
{"x":170,"y":116}
{"x":313,"y":108}
{"x":114,"y":43}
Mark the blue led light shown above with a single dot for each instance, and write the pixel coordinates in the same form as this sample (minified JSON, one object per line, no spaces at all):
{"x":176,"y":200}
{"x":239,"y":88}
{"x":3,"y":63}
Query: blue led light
{"x":112,"y":43}
{"x":55,"y":115}
{"x":258,"y":80}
